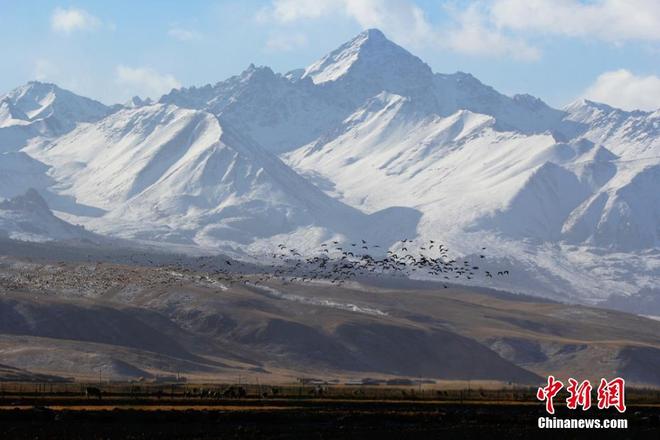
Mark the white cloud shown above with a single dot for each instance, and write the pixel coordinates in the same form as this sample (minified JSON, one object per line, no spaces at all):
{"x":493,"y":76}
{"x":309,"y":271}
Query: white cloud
{"x":474,"y":35}
{"x":486,"y":27}
{"x":284,"y":43}
{"x":623,"y":89}
{"x":73,"y":19}
{"x":286,"y":11}
{"x":183,"y":34}
{"x":608,"y":20}
{"x":401,"y":19}
{"x":44,"y":70}
{"x":405,"y":22}
{"x":145,"y":81}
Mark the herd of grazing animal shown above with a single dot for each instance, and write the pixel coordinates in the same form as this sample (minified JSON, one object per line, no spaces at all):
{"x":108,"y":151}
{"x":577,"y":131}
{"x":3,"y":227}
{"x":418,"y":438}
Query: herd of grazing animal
{"x":231,"y":392}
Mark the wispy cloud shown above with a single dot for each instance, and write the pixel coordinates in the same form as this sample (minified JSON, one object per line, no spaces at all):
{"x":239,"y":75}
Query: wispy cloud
{"x":287,"y":11}
{"x":183,"y":34}
{"x":401,"y":19}
{"x":285,"y":42}
{"x":607,"y":20}
{"x":501,"y":28}
{"x":145,"y":81}
{"x":473,"y":34}
{"x":623,"y":89}
{"x":44,"y":70}
{"x":68,"y":20}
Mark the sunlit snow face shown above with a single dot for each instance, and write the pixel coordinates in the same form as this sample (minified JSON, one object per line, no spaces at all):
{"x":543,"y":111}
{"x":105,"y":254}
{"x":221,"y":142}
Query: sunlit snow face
{"x":366,"y":142}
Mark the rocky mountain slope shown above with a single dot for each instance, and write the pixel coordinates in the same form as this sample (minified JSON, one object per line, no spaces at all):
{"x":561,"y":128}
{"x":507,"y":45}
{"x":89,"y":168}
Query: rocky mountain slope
{"x":367,"y":142}
{"x":28,"y":217}
{"x":42,"y":110}
{"x":73,"y":319}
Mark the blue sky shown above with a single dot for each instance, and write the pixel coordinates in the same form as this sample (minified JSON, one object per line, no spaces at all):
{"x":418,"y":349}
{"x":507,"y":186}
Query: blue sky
{"x":559,"y":50}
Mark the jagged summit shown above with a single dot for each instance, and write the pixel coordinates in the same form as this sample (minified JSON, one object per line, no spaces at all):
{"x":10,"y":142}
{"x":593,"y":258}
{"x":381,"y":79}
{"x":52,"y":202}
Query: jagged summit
{"x":190,"y":178}
{"x":214,"y":97}
{"x":370,"y":64}
{"x":584,"y":103}
{"x":39,"y":100}
{"x":28,"y":217}
{"x":136,"y":102}
{"x":373,"y":129}
{"x":30,"y":200}
{"x":336,"y":63}
{"x":371,"y":43}
{"x":34,"y":98}
{"x":530,"y":100}
{"x":373,"y":34}
{"x":38,"y":109}
{"x":254,"y":70}
{"x":628,"y":134}
{"x":587,"y":105}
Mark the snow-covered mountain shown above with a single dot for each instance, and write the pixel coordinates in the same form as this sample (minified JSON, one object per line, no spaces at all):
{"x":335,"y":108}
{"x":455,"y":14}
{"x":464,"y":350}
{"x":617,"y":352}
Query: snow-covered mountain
{"x":160,"y":172}
{"x":19,"y":171}
{"x":136,"y":102}
{"x":276,"y":112}
{"x":630,"y":135}
{"x":41,"y":101}
{"x":43,"y":109}
{"x":28,"y":217}
{"x":365,"y":142}
{"x":368,"y":65}
{"x":284,"y":112}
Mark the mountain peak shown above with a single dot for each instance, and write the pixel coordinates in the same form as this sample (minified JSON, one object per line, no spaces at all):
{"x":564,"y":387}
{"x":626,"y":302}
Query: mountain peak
{"x":252,"y":69}
{"x":136,"y":102}
{"x":34,"y":86}
{"x":35,"y":90}
{"x":370,"y":39}
{"x":42,"y":84}
{"x":373,"y":34}
{"x":32,"y":90}
{"x":256,"y":73}
{"x":583,"y":104}
{"x":27,"y":217}
{"x":531,"y":102}
{"x":369,"y":53}
{"x":30,"y":200}
{"x":39,"y":100}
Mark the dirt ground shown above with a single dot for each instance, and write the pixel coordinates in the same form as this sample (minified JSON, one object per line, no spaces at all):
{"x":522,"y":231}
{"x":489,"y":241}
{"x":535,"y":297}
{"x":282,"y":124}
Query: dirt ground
{"x":315,"y":419}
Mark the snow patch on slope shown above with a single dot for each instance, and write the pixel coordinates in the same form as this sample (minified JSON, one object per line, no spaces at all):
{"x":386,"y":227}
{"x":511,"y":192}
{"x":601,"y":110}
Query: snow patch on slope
{"x":42,"y":110}
{"x":27,"y":217}
{"x":169,"y":174}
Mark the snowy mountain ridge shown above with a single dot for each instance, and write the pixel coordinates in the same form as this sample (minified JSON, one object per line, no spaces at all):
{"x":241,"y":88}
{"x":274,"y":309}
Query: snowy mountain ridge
{"x":182,"y":177}
{"x":367,"y":142}
{"x":28,"y":217}
{"x":39,"y":109}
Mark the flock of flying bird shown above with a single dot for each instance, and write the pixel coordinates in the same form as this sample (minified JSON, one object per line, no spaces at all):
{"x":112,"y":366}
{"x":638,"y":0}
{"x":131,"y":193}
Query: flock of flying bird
{"x":339,"y":262}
